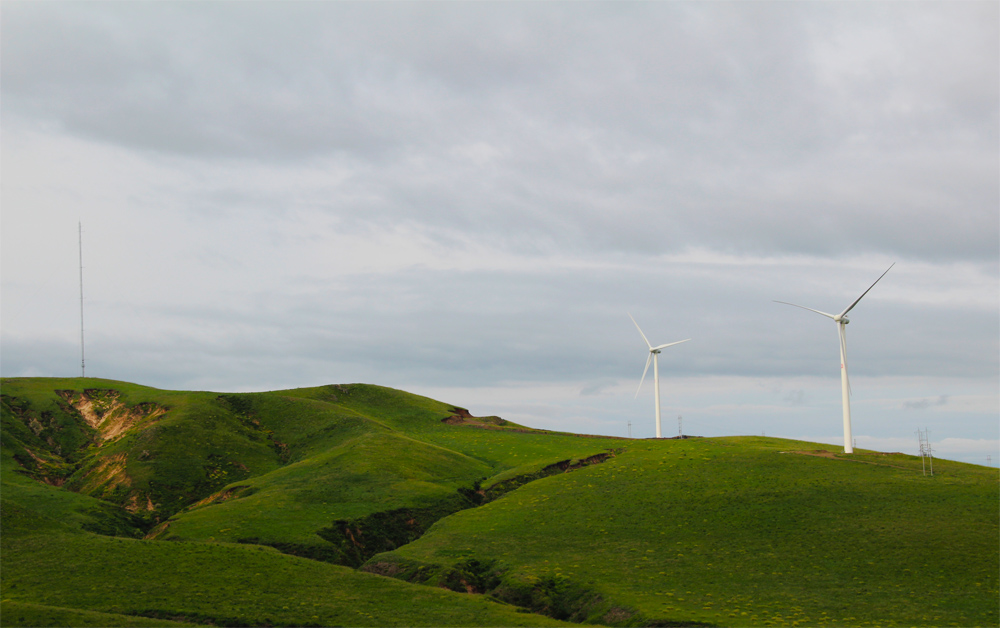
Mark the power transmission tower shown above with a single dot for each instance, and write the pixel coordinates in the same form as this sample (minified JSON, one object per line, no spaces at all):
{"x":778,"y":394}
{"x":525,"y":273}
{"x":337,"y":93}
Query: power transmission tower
{"x":926,"y":452}
{"x":83,"y":362}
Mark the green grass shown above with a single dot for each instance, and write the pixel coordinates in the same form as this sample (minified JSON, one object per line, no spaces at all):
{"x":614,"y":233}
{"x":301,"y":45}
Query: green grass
{"x":734,"y":532}
{"x":371,"y":473}
{"x":722,"y":532}
{"x":362,"y":449}
{"x":223,"y":584}
{"x":26,"y":614}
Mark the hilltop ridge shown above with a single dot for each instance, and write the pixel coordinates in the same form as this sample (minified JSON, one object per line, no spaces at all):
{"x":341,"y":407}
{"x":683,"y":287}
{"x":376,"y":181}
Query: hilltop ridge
{"x":364,"y":505}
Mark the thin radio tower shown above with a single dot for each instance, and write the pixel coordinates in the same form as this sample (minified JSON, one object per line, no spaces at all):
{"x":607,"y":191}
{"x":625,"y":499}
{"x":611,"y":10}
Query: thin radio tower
{"x":83,"y":362}
{"x":926,"y":452}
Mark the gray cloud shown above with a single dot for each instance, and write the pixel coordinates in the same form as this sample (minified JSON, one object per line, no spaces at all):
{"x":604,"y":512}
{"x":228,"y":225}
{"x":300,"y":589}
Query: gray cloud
{"x":825,"y":129}
{"x":795,"y":397}
{"x":470,"y":195}
{"x":923,"y":404}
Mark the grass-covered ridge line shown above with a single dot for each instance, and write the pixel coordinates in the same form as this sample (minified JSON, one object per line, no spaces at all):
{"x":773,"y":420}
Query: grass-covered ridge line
{"x":24,"y":614}
{"x":459,"y":520}
{"x":741,"y":532}
{"x":225,"y":585}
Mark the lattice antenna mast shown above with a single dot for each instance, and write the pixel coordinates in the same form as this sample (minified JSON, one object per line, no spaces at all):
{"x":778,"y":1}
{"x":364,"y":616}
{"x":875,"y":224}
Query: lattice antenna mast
{"x":926,"y":453}
{"x":930,"y":450}
{"x":920,"y":439}
{"x":83,"y":361}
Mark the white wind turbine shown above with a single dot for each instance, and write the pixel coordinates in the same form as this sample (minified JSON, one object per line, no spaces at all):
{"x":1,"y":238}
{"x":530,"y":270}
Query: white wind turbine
{"x":653,"y":352}
{"x":845,"y":385}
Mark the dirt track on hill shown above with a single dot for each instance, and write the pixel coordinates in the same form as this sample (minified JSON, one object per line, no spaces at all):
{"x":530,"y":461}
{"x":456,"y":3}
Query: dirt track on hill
{"x":823,"y":453}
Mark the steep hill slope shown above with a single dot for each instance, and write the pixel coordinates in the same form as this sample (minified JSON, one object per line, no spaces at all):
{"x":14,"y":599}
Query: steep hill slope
{"x":371,"y":451}
{"x":53,"y":573}
{"x":733,"y":532}
{"x":268,"y":500}
{"x":56,"y":570}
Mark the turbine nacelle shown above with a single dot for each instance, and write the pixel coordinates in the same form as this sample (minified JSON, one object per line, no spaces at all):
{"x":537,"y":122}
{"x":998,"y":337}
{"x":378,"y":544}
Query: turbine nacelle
{"x":842,"y":319}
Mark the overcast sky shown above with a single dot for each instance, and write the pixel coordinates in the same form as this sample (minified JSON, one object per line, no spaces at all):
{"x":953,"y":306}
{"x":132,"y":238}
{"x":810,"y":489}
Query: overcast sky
{"x":465,"y":200}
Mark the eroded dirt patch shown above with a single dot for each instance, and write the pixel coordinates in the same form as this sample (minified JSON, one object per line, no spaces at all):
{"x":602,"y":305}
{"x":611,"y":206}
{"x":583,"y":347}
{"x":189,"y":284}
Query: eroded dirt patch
{"x":157,"y":531}
{"x":234,"y":492}
{"x":108,"y":474}
{"x":461,"y":416}
{"x":53,"y":479}
{"x":135,"y":503}
{"x":822,"y":453}
{"x":104,"y":411}
{"x":855,"y":457}
{"x":501,"y":488}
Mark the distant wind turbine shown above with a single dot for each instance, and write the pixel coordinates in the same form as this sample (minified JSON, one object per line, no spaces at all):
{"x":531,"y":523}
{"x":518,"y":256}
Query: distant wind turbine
{"x":845,"y":384}
{"x":653,"y":352}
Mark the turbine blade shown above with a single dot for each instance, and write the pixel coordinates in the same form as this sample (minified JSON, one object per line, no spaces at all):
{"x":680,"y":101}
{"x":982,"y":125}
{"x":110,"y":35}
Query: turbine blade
{"x":843,"y":355}
{"x":640,"y":331}
{"x":807,"y":308}
{"x":648,"y":360}
{"x":669,"y":344}
{"x":851,"y":306}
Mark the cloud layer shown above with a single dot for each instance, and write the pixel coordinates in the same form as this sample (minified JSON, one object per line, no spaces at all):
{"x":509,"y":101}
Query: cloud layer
{"x":466,"y":196}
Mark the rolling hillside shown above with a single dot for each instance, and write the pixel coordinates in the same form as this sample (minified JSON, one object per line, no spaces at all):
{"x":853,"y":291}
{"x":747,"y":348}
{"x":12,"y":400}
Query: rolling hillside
{"x":362,"y":505}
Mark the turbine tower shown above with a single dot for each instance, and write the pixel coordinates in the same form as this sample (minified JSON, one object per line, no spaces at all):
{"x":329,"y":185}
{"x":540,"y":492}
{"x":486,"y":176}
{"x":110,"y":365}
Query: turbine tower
{"x":845,"y":384}
{"x":653,"y":352}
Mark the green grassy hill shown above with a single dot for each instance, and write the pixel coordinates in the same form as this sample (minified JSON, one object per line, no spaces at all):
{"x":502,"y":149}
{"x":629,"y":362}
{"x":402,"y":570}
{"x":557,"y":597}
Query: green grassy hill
{"x":362,"y":505}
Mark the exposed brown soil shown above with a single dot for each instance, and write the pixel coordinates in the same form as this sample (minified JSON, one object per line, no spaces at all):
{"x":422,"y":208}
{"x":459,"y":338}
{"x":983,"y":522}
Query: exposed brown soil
{"x":823,"y":453}
{"x":461,"y":416}
{"x":221,"y":496}
{"x":35,"y":425}
{"x":501,"y":488}
{"x":350,"y":535}
{"x":104,"y":411}
{"x":382,"y":568}
{"x":135,"y":504}
{"x":107,"y":474}
{"x":157,"y":531}
{"x":34,"y":457}
{"x":42,"y":464}
{"x":566,"y":465}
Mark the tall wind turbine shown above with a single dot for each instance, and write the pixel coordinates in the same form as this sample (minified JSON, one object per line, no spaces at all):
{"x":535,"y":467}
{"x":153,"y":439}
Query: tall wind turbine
{"x":653,"y":352}
{"x":845,"y":385}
